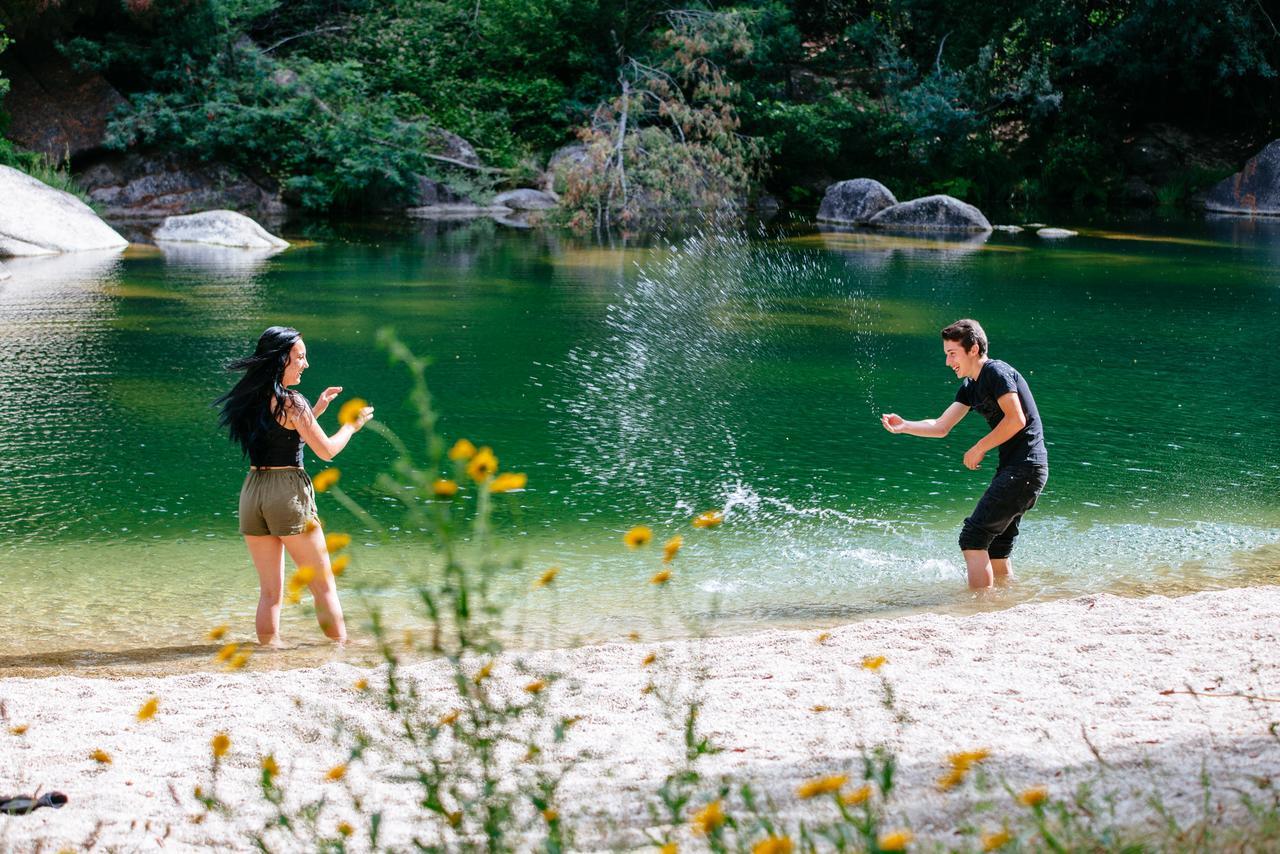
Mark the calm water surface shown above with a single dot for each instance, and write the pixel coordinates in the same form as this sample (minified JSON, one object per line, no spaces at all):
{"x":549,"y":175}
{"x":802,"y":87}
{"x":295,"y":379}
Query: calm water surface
{"x":637,"y":384}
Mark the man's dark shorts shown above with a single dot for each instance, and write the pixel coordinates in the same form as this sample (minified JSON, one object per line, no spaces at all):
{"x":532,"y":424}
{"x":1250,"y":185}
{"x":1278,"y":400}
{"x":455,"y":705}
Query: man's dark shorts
{"x":994,"y":523}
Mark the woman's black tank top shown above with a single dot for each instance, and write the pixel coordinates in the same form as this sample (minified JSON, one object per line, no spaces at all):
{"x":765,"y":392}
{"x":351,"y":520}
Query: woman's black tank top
{"x":279,"y":446}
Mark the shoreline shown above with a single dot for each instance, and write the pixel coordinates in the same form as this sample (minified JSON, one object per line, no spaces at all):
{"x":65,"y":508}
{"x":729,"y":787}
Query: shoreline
{"x":1047,"y":687}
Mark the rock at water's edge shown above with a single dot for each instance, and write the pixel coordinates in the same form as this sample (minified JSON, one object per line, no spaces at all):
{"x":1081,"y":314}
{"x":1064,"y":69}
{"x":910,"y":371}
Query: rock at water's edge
{"x":942,"y":213}
{"x":855,"y":201}
{"x":218,"y":228}
{"x":1255,"y":189}
{"x":1056,"y":233}
{"x":526,"y":199}
{"x":139,"y":186}
{"x":36,"y":219}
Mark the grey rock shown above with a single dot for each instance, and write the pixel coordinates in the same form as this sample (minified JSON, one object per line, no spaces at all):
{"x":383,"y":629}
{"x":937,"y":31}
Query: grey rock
{"x":457,"y":211}
{"x":52,"y":107}
{"x":36,"y":219}
{"x":526,"y":199}
{"x":855,"y":201}
{"x":1008,"y":229}
{"x":1055,"y":233}
{"x":563,"y":161}
{"x":218,"y":228}
{"x":932,"y":213}
{"x":1253,"y":190}
{"x":140,"y":186}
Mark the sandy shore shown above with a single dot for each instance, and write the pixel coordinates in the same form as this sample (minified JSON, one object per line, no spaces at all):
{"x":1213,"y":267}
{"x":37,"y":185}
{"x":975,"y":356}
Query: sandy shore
{"x":1043,"y":686}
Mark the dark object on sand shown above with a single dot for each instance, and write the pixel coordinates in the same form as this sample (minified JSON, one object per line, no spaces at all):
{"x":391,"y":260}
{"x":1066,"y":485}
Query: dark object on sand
{"x":23,"y":804}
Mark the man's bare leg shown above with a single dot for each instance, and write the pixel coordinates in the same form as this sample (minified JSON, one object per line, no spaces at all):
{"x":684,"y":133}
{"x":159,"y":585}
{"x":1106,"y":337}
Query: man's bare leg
{"x":1002,"y":569}
{"x":979,"y":563}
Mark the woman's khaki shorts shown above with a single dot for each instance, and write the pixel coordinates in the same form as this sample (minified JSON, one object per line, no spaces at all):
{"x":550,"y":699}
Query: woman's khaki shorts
{"x":276,"y":502}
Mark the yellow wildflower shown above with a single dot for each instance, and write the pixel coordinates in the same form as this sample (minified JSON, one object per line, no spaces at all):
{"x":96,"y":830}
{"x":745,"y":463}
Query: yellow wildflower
{"x":821,"y":708}
{"x":302,"y":576}
{"x":669,"y":848}
{"x":462,"y":450}
{"x":508,"y":481}
{"x":269,"y":766}
{"x":336,"y":773}
{"x":662,"y":576}
{"x":451,"y":718}
{"x":669,"y":550}
{"x":220,"y":743}
{"x":227,"y":651}
{"x":1033,"y":797}
{"x":340,"y":564}
{"x":337,"y":542}
{"x":773,"y":845}
{"x":310,"y":525}
{"x":951,"y":779}
{"x":326,"y":479}
{"x":967,"y":759}
{"x":874,"y":662}
{"x":219,"y":632}
{"x":536,"y":686}
{"x":821,"y":786}
{"x":859,"y":795}
{"x":823,"y":637}
{"x":455,"y":818}
{"x":997,"y":840}
{"x":101,"y":757}
{"x":361,"y":685}
{"x":648,"y":689}
{"x":345,"y":829}
{"x":239,"y":660}
{"x":350,"y":411}
{"x":709,"y":519}
{"x":634,"y":637}
{"x":550,"y":815}
{"x":649,"y":659}
{"x":547,"y":577}
{"x":444,"y":488}
{"x":709,"y":818}
{"x":638,"y":536}
{"x":20,"y":729}
{"x":896,"y":841}
{"x":294,"y":596}
{"x":483,"y":673}
{"x":148,"y":710}
{"x":482,"y":465}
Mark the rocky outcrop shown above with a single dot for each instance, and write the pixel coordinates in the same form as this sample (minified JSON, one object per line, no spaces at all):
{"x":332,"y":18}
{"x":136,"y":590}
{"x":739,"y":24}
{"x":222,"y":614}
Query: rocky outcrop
{"x":526,"y":199}
{"x":36,"y":219}
{"x":562,"y":162}
{"x":1255,"y":189}
{"x":855,"y":202}
{"x":217,"y":228}
{"x":141,"y":186}
{"x":932,"y":213}
{"x":53,"y":108}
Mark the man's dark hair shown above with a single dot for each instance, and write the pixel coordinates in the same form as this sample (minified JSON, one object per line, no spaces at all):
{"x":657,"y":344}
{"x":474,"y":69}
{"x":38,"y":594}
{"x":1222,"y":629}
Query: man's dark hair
{"x":966,"y":333}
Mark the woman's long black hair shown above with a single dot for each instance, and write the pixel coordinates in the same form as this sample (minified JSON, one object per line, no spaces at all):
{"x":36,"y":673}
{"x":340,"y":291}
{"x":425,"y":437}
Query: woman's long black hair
{"x":246,"y":409}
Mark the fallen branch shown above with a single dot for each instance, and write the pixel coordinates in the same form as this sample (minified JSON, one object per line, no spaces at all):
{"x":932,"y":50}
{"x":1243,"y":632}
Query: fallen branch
{"x":1239,"y":694}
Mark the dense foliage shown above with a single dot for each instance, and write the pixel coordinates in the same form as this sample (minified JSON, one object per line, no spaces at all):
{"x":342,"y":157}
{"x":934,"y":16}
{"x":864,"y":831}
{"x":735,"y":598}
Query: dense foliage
{"x":1003,"y":102}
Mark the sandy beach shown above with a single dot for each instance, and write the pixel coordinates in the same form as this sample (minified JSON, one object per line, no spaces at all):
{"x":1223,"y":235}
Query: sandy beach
{"x":1060,"y":693}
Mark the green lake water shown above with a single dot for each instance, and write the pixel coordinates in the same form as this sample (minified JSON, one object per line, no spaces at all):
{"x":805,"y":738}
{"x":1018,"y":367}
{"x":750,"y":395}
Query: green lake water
{"x":642,"y":384}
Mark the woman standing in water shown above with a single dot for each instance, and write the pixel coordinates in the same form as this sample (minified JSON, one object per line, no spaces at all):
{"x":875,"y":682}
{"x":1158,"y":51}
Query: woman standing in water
{"x":277,"y":502}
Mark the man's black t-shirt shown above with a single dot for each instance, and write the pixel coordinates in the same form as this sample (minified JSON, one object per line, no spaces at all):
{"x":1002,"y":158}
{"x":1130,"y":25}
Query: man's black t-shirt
{"x":996,"y":379}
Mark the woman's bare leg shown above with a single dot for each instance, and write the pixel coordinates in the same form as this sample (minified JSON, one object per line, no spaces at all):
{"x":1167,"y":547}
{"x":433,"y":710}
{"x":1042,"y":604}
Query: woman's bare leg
{"x":268,"y":557}
{"x":308,"y":549}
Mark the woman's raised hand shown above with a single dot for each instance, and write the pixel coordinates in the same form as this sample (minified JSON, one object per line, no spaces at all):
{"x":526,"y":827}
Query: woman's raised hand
{"x":362,"y":418}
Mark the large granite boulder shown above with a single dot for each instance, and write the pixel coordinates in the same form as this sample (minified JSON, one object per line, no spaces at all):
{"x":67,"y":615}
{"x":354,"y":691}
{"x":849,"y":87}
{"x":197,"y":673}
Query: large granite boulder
{"x":36,"y":219}
{"x":932,"y":213}
{"x":142,"y":186}
{"x":562,"y":162}
{"x":526,"y":199}
{"x":217,"y":228}
{"x":855,"y":201}
{"x":1255,"y":189}
{"x":52,"y":107}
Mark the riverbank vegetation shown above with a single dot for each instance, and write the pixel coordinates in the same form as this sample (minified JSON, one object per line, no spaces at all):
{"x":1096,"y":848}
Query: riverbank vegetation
{"x":1005,"y":103}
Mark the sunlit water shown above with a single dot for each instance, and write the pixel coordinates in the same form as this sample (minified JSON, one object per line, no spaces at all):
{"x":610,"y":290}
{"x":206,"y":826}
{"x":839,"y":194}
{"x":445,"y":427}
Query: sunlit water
{"x":635,"y":384}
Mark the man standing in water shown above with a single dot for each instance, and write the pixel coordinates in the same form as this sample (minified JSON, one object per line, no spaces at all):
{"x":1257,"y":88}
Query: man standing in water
{"x":1002,"y":397}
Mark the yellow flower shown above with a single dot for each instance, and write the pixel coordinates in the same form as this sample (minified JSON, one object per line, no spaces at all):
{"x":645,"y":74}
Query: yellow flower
{"x":302,"y":576}
{"x":821,"y":786}
{"x":823,"y":637}
{"x":535,"y":686}
{"x":451,"y":718}
{"x":997,"y":840}
{"x":709,"y":519}
{"x":462,"y":450}
{"x":967,"y":759}
{"x":148,"y":710}
{"x":662,"y":576}
{"x":550,"y":815}
{"x":483,"y":673}
{"x":821,"y":708}
{"x":227,"y":651}
{"x":443,"y":488}
{"x":361,"y":685}
{"x":859,"y":795}
{"x":345,"y":829}
{"x":326,"y":479}
{"x":101,"y":757}
{"x":336,"y":773}
{"x":874,"y":662}
{"x":239,"y":660}
{"x":669,"y":848}
{"x":709,"y":818}
{"x":482,"y":465}
{"x":269,"y":766}
{"x":350,"y":410}
{"x":337,"y":542}
{"x":310,"y":525}
{"x":508,"y":481}
{"x":951,"y":779}
{"x":634,"y":637}
{"x":218,"y":633}
{"x":547,"y":577}
{"x":221,"y":743}
{"x":773,"y":845}
{"x":1033,"y":797}
{"x":896,"y":841}
{"x":638,"y":536}
{"x":20,"y":729}
{"x":340,"y":564}
{"x":649,"y":659}
{"x":669,"y":550}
